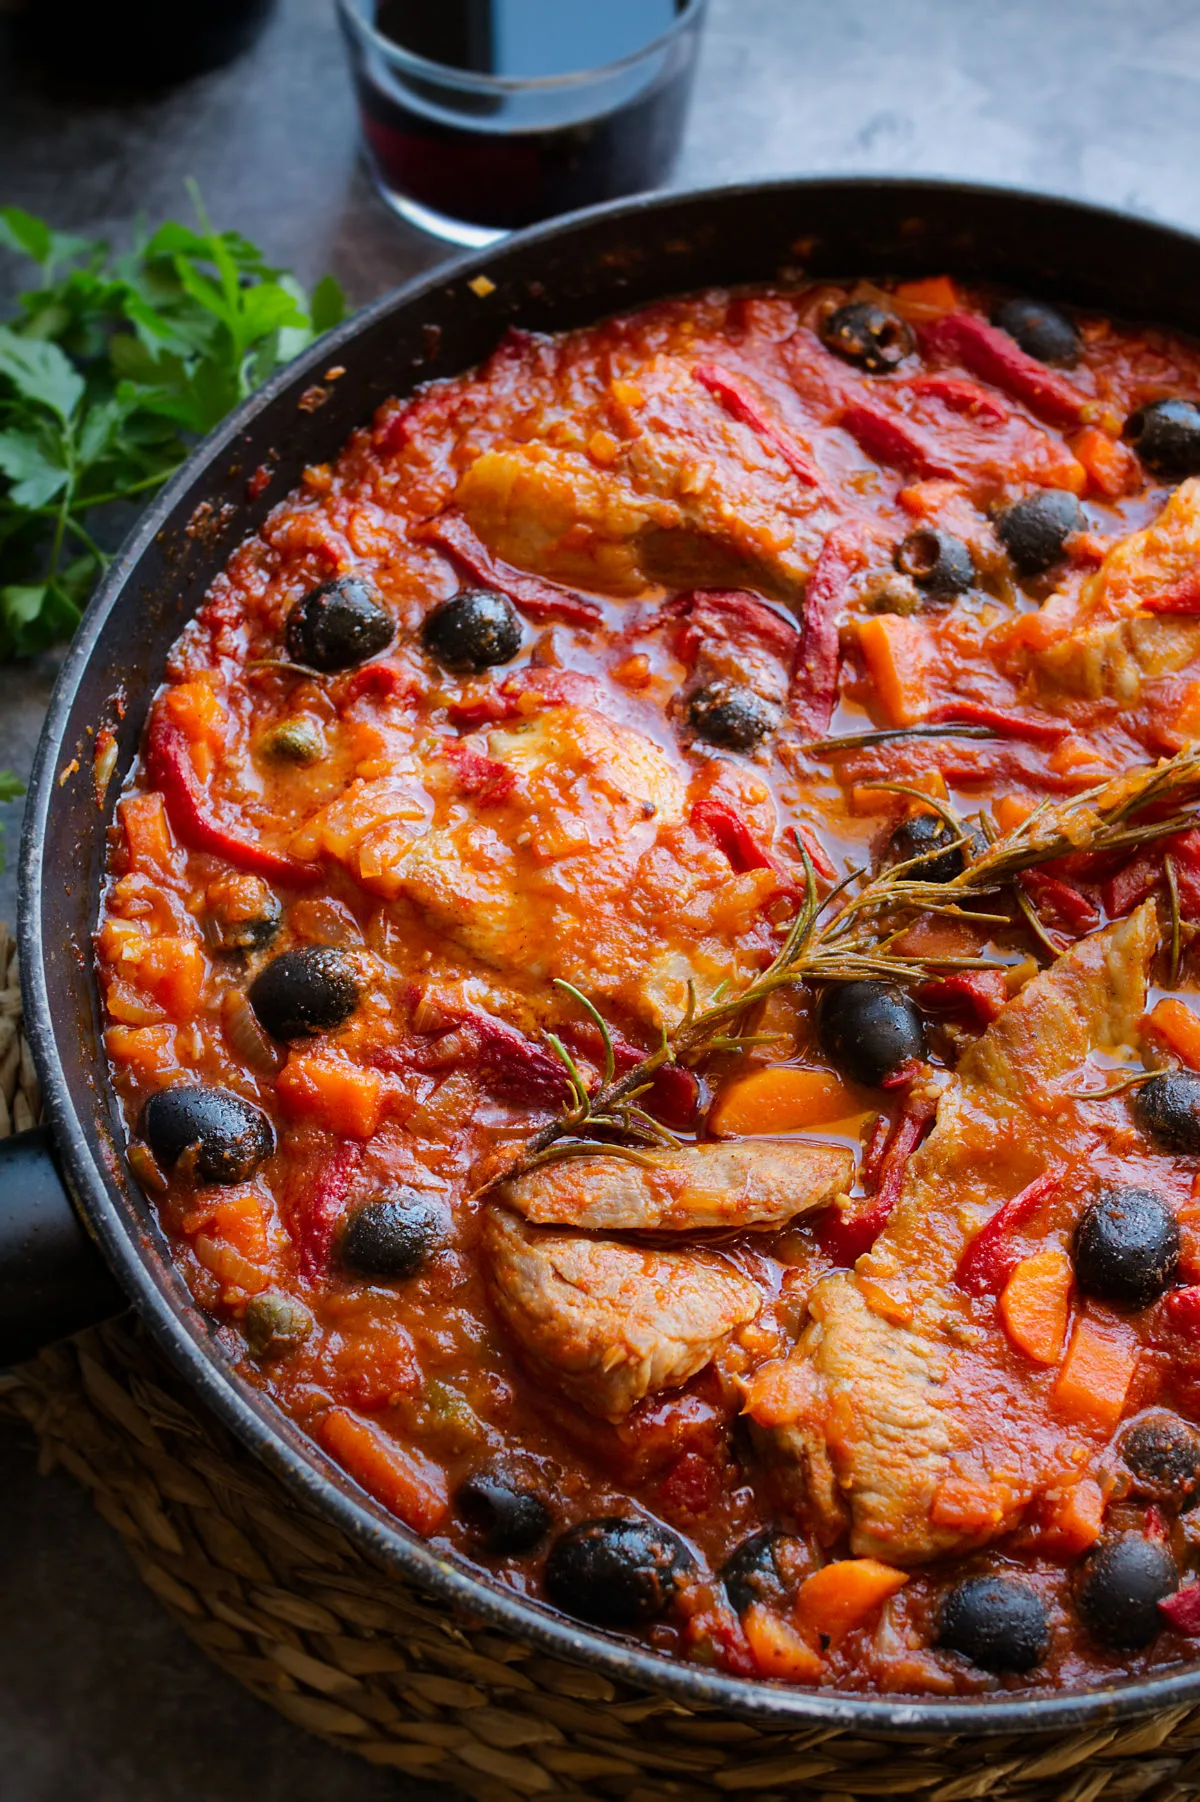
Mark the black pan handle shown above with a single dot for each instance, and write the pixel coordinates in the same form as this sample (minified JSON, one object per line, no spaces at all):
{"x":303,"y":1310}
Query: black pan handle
{"x":53,"y":1280}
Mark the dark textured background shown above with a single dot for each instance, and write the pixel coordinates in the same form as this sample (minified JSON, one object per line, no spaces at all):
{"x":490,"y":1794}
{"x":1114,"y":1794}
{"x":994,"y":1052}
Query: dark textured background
{"x":101,"y":1700}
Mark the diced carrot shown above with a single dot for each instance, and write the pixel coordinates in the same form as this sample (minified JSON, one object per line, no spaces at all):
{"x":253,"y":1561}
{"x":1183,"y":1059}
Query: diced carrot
{"x":926,"y":299}
{"x":896,"y":652}
{"x":1011,"y":811}
{"x":1035,"y":1302}
{"x":333,"y":1093}
{"x":1095,"y":1377}
{"x":779,"y":1651}
{"x":1178,"y":1027}
{"x":235,"y":1272}
{"x":1077,"y":1520}
{"x":781,"y":1392}
{"x":144,"y":819}
{"x":969,"y":1506}
{"x":838,"y":1596}
{"x":889,"y":1304}
{"x":195,"y":709}
{"x":238,"y":1220}
{"x":128,"y":1003}
{"x":633,"y":672}
{"x":146,"y":1050}
{"x":783,"y":1100}
{"x":604,"y":449}
{"x":925,"y":500}
{"x":1112,"y":469}
{"x":408,"y":1485}
{"x":172,"y":969}
{"x":1186,"y":723}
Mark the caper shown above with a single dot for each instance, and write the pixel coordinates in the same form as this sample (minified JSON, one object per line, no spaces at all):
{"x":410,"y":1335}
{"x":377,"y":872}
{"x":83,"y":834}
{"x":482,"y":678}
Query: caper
{"x":295,"y":740}
{"x":275,"y":1324}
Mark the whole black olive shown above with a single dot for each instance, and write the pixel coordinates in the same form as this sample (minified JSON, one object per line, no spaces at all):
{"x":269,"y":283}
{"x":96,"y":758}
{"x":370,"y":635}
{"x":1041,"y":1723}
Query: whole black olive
{"x":275,"y":1324}
{"x":338,"y":624}
{"x":869,"y":1029}
{"x":867,"y":335}
{"x":1034,"y":531}
{"x":734,"y":718}
{"x":938,"y":561}
{"x":924,"y":836}
{"x":473,"y":630}
{"x":501,"y":1514}
{"x":751,"y":1574}
{"x":303,"y":992}
{"x":1126,"y":1247}
{"x":1166,"y":436}
{"x":1163,"y":1454}
{"x":391,"y":1236}
{"x":615,"y":1572}
{"x":999,"y":1623}
{"x":1168,"y":1109}
{"x":228,"y":1138}
{"x":1120,"y":1587}
{"x":1041,"y":331}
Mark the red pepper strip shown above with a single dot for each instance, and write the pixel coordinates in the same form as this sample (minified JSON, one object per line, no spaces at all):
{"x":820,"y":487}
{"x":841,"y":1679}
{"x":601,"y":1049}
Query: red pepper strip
{"x":844,"y":1237}
{"x":170,"y":768}
{"x":904,"y":1075}
{"x":979,"y":994}
{"x":818,"y":857}
{"x":743,"y":405}
{"x":1181,"y":597}
{"x":732,"y":837}
{"x":321,"y":1206}
{"x":1005,"y":725}
{"x":403,"y":426}
{"x":383,"y":680}
{"x":962,"y":397}
{"x":818,"y":656}
{"x":874,"y":1149}
{"x":1066,"y":906}
{"x":517,"y":1066}
{"x":1131,"y":884}
{"x":673,"y":1097}
{"x":1182,"y":1610}
{"x":550,"y":687}
{"x":537,"y":599}
{"x":1183,"y":1305}
{"x":734,"y":615}
{"x":993,"y":356}
{"x":890,"y":439}
{"x":989,"y":1261}
{"x":483,"y":778}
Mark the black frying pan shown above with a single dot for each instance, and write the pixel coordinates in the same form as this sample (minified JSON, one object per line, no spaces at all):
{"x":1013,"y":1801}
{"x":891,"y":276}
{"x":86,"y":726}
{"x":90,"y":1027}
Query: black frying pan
{"x":54,"y":1277}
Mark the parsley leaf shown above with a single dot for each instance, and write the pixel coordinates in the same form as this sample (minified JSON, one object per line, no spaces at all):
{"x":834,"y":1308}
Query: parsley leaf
{"x":110,"y":368}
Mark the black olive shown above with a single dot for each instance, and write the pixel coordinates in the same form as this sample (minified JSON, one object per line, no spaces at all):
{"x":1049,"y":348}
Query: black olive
{"x":1163,"y":1454}
{"x":867,"y":335}
{"x":925,"y":836}
{"x":1168,"y":1109}
{"x":1120,"y":1587}
{"x":338,"y":624}
{"x":228,"y":1138}
{"x":1166,"y":436}
{"x":242,"y":915}
{"x":275,"y":1324}
{"x":1000,"y":1624}
{"x":734,"y":718}
{"x":869,"y":1029}
{"x":501,"y":1514}
{"x":304,"y":992}
{"x":473,"y":630}
{"x":751,"y":1574}
{"x":1041,"y":331}
{"x":1126,"y":1247}
{"x":615,"y":1572}
{"x":392,"y":1236}
{"x":938,"y":561}
{"x":1034,"y":531}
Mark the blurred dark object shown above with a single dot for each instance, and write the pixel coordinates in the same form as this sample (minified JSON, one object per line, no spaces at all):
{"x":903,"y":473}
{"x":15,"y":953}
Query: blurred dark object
{"x":134,"y":43}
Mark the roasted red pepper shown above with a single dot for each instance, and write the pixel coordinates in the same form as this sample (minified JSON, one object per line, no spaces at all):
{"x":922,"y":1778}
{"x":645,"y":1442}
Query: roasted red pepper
{"x":1060,"y":903}
{"x":732,"y":615}
{"x":1182,"y":1610}
{"x":170,"y":769}
{"x":537,"y":599}
{"x":485,"y":779}
{"x":962,"y":397}
{"x":977,"y":995}
{"x":991,"y":1258}
{"x":892,"y":439}
{"x":319,"y":1209}
{"x":742,"y":404}
{"x":518,"y":1067}
{"x":845,"y":1237}
{"x":818,"y":657}
{"x":993,"y":356}
{"x":1037,"y":730}
{"x":1181,"y":597}
{"x":733,"y":838}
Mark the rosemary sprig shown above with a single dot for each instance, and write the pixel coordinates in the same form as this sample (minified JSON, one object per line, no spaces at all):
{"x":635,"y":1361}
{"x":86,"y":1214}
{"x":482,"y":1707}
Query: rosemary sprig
{"x":860,"y":741}
{"x":848,"y":937}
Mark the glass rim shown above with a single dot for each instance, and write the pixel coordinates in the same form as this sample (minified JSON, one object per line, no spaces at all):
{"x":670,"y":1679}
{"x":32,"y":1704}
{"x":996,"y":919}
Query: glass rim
{"x":472,"y":79}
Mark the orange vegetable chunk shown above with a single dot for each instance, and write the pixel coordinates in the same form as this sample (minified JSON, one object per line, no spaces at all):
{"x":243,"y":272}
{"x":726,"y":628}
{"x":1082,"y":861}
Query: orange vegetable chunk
{"x":333,"y":1094}
{"x":1178,"y":1027}
{"x":147,"y":833}
{"x":1035,"y":1303}
{"x":408,"y":1486}
{"x":838,"y":1596}
{"x":1095,"y":1378}
{"x":782,"y":1100}
{"x":896,"y":652}
{"x":779,"y":1650}
{"x":1112,"y":469}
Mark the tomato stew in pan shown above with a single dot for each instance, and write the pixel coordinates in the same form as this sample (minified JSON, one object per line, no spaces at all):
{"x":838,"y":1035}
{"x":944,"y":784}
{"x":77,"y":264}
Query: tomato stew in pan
{"x":648,"y":960}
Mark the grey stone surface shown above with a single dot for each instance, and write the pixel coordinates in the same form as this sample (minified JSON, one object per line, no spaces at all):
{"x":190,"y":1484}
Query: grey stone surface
{"x":100,"y":1697}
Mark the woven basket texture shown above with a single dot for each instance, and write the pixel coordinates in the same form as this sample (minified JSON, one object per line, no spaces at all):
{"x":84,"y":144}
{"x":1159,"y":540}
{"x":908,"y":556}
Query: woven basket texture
{"x":301,"y":1617}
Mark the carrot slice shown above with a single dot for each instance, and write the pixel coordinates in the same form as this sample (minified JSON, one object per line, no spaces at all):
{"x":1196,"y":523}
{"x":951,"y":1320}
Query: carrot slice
{"x":1095,"y":1378}
{"x":1035,"y":1303}
{"x":838,"y":1596}
{"x":779,"y":1651}
{"x":896,"y":651}
{"x":408,"y":1486}
{"x":782,"y":1100}
{"x":146,"y":832}
{"x":333,"y":1094}
{"x":1112,"y":469}
{"x":1178,"y":1027}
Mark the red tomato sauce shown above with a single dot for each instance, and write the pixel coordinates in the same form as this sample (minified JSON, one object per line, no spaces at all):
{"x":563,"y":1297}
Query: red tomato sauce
{"x":701,"y":518}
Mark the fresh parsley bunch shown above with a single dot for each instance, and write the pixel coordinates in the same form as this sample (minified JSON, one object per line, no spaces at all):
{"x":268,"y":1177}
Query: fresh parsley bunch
{"x":109,"y":370}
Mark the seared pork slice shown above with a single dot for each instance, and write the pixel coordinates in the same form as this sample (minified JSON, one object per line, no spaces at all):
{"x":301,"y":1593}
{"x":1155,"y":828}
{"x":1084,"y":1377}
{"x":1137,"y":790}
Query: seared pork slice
{"x":938,"y":1437}
{"x":608,"y":1323}
{"x":694,"y":1189}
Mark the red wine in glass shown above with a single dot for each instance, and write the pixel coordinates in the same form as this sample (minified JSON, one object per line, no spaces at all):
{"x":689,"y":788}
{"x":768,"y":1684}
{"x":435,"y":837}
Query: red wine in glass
{"x":483,"y":115}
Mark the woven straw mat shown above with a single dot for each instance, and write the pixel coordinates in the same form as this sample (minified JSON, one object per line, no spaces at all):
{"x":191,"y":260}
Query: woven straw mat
{"x":299,"y":1615}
